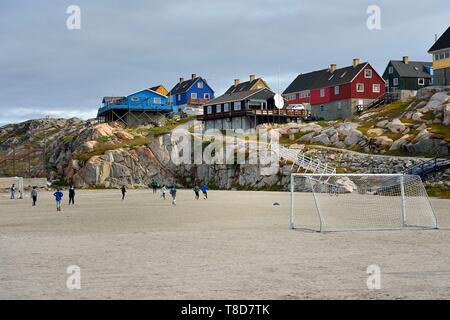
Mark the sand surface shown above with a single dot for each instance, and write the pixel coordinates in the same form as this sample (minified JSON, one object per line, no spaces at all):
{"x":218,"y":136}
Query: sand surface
{"x":235,"y":245}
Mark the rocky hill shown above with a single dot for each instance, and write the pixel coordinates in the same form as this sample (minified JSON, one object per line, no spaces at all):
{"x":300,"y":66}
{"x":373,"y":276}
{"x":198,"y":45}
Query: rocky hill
{"x":89,"y":154}
{"x":416,"y":127}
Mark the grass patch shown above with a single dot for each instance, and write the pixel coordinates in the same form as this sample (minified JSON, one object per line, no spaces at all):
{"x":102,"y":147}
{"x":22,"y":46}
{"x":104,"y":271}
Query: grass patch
{"x":429,"y":116}
{"x":103,"y":139}
{"x":69,"y":138}
{"x":365,"y":127}
{"x":284,"y":139}
{"x":442,"y":192}
{"x":169,"y":126}
{"x":323,"y":123}
{"x":441,"y":130}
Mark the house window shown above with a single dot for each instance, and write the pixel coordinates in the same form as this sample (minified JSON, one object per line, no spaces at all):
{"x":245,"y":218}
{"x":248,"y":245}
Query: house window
{"x":376,"y":87}
{"x":441,"y":56}
{"x":200,"y":85}
{"x":391,"y":70}
{"x":368,"y":73}
{"x":179,"y":97}
{"x":134,"y":99}
{"x":206,"y":95}
{"x":218,"y":108}
{"x":395,"y":82}
{"x":209,"y":109}
{"x":436,"y":56}
{"x":339,"y":105}
{"x":194,"y":95}
{"x":322,"y":108}
{"x":421,"y":81}
{"x":237,"y":106}
{"x":322,"y":93}
{"x":336,"y":90}
{"x":447,"y":55}
{"x":226,"y":107}
{"x":157,"y":100}
{"x":360,"y":87}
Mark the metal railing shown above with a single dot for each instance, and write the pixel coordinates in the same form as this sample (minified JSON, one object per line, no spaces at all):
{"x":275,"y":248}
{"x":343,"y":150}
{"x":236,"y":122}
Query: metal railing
{"x":313,"y":165}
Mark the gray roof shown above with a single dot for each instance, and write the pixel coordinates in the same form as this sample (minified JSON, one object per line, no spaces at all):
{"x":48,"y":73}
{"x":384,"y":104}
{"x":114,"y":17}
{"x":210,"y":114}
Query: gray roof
{"x":414,"y":69}
{"x":182,"y":87}
{"x":262,"y":93}
{"x":243,"y":86}
{"x":443,"y":42}
{"x":324,"y":78}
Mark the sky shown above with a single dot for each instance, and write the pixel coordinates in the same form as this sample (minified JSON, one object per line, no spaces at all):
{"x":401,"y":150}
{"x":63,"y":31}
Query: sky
{"x":121,"y":47}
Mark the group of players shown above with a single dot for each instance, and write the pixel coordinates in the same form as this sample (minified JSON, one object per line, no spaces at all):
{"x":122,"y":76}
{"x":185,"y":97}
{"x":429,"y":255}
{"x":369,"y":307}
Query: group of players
{"x":154,"y":185}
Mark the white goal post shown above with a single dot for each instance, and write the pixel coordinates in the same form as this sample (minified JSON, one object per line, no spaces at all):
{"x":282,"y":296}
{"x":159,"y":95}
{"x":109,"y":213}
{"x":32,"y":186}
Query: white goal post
{"x":346,"y":202}
{"x":7,"y":182}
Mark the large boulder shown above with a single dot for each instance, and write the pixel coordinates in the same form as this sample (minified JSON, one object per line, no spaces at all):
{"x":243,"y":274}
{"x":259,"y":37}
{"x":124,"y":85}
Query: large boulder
{"x":346,"y":128}
{"x":375,"y":131}
{"x":311,"y":127}
{"x":307,"y":137}
{"x":346,"y":184}
{"x":382,"y":141}
{"x":353,"y":137}
{"x":321,"y":138}
{"x":400,"y":143}
{"x":382,"y":123}
{"x":446,"y":112}
{"x":436,"y":101}
{"x":396,"y":126}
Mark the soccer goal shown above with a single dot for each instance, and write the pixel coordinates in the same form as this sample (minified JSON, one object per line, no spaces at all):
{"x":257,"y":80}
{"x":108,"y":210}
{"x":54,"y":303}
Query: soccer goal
{"x":7,"y":182}
{"x":346,"y":202}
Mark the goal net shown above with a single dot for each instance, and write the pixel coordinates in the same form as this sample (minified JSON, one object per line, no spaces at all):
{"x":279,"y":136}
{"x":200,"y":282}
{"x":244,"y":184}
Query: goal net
{"x":345,"y":202}
{"x":7,"y":182}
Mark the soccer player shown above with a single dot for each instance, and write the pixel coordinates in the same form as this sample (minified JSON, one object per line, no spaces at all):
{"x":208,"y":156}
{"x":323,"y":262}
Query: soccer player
{"x":205,"y":191}
{"x":58,"y":197}
{"x":155,"y":186}
{"x":196,"y":191}
{"x":13,"y":191}
{"x":173,"y":193}
{"x":34,"y":195}
{"x":163,"y":192}
{"x":124,"y":190}
{"x":71,"y":195}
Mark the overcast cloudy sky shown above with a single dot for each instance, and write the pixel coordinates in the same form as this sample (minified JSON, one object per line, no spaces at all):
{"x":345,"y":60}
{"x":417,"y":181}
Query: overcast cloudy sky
{"x":124,"y":46}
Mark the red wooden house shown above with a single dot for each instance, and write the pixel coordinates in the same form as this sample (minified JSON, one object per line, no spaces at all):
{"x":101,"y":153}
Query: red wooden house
{"x":336,"y":93}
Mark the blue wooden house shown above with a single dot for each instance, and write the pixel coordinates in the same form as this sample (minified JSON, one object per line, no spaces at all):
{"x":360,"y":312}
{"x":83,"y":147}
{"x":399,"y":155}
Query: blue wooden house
{"x":134,"y":107}
{"x":192,"y":92}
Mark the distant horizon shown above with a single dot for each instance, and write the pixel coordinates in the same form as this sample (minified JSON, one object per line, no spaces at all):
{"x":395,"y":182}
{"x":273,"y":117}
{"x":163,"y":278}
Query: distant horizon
{"x":48,"y":69}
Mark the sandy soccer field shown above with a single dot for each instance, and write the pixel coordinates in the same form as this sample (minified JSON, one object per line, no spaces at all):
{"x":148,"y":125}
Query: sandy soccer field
{"x":235,"y":245}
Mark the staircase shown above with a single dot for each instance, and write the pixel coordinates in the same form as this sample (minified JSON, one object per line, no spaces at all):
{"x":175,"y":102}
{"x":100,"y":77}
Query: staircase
{"x":429,"y":166}
{"x":385,"y":98}
{"x":306,"y":163}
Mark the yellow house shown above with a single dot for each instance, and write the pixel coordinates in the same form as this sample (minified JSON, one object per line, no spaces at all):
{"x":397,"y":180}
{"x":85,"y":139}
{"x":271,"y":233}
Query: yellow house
{"x":253,"y":84}
{"x":160,"y":89}
{"x":441,"y":59}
